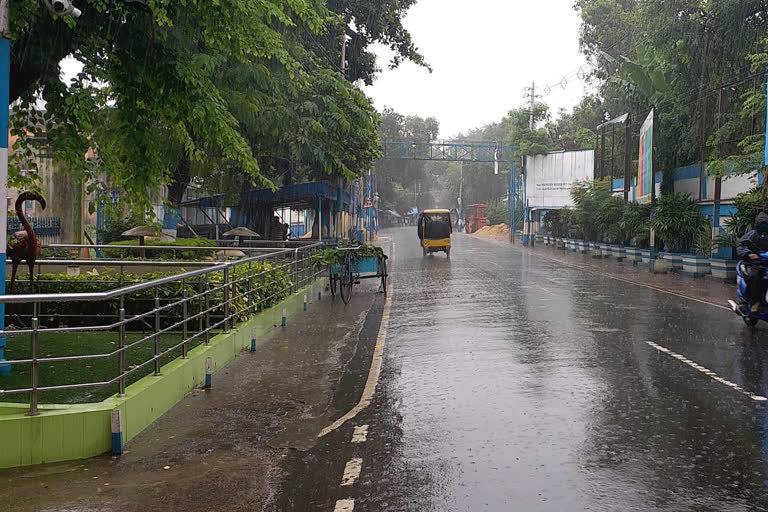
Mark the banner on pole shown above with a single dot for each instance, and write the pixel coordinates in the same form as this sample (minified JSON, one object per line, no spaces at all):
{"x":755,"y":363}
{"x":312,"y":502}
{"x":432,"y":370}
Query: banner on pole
{"x":645,"y":161}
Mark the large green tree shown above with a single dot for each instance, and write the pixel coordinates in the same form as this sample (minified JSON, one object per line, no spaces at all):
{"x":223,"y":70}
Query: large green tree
{"x":229,"y":95}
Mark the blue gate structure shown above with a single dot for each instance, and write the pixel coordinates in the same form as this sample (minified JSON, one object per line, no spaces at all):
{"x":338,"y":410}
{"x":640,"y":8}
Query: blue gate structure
{"x":456,"y":151}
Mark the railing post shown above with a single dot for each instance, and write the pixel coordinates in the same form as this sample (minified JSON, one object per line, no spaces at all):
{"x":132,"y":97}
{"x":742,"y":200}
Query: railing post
{"x":35,"y":367}
{"x":121,"y":344}
{"x":207,"y":309}
{"x":295,"y":273}
{"x":157,"y":331}
{"x":250,"y":287}
{"x":226,"y":299}
{"x":201,"y":306}
{"x":185,"y":333}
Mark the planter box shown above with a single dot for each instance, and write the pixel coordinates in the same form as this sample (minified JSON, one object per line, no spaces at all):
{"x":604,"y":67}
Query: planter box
{"x":632,"y":254}
{"x":362,"y":265}
{"x":695,"y":266}
{"x":723,"y":269}
{"x":675,"y":261}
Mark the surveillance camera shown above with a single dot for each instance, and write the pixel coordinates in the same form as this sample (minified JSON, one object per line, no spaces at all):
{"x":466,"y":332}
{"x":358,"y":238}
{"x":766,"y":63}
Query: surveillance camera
{"x":63,"y":8}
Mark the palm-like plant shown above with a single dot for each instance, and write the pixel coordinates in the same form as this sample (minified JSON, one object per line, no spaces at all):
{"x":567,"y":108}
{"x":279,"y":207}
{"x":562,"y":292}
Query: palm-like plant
{"x":677,"y":221}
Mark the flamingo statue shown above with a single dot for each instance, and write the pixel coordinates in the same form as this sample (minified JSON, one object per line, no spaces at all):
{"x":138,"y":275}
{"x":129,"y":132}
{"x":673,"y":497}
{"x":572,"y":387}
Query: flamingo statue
{"x":24,"y":245}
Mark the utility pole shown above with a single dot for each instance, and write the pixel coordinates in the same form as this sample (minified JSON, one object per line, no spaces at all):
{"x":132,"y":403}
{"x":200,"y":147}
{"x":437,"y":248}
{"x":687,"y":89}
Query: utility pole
{"x":5,"y":78}
{"x":344,"y":51}
{"x":533,"y":103}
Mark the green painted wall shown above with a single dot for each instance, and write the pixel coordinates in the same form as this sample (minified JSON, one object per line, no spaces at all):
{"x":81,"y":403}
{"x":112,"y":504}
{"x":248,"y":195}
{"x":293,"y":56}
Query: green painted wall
{"x":67,"y":432}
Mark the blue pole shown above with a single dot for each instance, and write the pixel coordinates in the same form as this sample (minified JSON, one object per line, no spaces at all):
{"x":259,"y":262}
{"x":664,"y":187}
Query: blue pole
{"x":512,"y":226}
{"x":5,"y":77}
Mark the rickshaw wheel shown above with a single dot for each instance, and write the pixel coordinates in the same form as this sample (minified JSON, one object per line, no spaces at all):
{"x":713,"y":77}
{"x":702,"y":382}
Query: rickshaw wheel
{"x":345,"y":286}
{"x":383,"y":270}
{"x":332,"y":285}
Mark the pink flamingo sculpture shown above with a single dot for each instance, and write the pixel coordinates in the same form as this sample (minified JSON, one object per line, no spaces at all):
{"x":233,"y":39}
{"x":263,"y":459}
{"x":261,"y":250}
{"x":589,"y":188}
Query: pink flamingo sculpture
{"x":24,"y":245}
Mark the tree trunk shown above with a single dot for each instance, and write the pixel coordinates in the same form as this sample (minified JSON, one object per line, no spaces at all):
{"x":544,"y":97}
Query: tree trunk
{"x":176,"y":188}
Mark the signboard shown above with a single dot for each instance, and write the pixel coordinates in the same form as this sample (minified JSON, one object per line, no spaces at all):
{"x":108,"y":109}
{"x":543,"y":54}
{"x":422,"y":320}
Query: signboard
{"x":550,"y":177}
{"x":645,"y":161}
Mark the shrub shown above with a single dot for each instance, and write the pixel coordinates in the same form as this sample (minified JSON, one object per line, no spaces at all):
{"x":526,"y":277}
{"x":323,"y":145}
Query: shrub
{"x":635,"y":224}
{"x":677,"y":221}
{"x":164,"y":254}
{"x":271,"y":285}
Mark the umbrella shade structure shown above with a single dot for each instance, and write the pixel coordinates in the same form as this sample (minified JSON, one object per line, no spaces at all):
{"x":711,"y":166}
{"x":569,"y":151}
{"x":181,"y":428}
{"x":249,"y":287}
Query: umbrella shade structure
{"x":241,"y":233}
{"x":141,"y":232}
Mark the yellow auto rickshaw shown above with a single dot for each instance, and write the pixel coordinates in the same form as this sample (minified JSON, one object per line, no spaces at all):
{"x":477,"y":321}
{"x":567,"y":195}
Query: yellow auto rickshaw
{"x":435,"y":231}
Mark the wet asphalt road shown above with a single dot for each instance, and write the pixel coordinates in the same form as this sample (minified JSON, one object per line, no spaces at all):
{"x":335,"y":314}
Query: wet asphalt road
{"x":511,"y":382}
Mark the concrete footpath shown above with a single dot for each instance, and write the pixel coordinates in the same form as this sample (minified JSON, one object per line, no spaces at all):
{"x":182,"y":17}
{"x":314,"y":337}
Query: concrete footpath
{"x":220,"y":449}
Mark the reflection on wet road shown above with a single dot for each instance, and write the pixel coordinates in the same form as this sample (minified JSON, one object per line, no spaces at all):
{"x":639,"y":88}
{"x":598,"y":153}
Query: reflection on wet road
{"x":512,"y":383}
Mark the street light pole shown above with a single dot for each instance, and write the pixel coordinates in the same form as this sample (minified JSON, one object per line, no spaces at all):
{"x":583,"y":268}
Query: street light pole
{"x":5,"y":78}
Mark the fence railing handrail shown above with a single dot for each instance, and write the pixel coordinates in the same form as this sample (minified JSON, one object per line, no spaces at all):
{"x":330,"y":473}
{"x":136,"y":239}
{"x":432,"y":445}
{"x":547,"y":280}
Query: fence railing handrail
{"x":161,"y":247}
{"x":123,"y":263}
{"x":125,"y":290}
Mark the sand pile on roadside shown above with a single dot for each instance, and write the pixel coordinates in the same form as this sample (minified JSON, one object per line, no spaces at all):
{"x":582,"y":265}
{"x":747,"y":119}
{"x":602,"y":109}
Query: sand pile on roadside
{"x":499,"y":230}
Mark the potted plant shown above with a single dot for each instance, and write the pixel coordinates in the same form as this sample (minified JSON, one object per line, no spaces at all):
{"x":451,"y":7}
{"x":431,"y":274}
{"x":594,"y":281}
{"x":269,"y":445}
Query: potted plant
{"x":697,"y":264}
{"x":725,"y":267}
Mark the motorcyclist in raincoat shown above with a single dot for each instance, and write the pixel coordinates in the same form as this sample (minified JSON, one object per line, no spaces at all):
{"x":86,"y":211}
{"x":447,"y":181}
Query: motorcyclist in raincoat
{"x":748,"y":250}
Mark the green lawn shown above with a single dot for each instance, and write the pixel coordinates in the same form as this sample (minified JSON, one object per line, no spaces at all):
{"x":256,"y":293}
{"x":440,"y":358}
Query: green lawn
{"x":73,"y":372}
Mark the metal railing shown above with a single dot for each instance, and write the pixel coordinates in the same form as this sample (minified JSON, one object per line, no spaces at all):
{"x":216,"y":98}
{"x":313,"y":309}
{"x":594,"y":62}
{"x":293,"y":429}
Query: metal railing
{"x":189,"y":307}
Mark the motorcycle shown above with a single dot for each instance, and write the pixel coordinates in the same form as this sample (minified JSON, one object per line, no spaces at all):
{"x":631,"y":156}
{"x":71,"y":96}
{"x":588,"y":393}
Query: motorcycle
{"x":742,"y":307}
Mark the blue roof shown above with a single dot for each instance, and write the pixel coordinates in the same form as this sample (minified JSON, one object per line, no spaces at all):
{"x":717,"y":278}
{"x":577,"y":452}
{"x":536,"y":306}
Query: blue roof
{"x":301,"y":195}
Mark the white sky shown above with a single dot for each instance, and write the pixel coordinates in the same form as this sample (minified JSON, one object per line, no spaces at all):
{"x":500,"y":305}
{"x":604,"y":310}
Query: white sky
{"x":483,"y":53}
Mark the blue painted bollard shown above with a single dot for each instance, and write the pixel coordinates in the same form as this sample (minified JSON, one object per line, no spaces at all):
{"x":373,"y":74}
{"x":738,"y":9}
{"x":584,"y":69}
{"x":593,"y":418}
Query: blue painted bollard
{"x":305,"y":302}
{"x":116,"y":423}
{"x":253,"y":340}
{"x":283,"y":322}
{"x":208,"y":371}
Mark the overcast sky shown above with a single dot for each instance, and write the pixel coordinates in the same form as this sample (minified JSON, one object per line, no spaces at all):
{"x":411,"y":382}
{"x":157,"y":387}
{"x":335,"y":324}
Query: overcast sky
{"x":483,"y":53}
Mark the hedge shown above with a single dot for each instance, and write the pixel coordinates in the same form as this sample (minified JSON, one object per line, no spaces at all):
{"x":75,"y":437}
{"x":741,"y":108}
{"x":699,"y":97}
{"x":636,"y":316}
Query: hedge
{"x":268,"y":288}
{"x":163,"y":254}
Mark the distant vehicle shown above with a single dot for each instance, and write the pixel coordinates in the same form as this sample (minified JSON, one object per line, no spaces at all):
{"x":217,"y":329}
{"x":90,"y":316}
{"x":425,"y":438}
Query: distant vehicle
{"x":435,"y":228}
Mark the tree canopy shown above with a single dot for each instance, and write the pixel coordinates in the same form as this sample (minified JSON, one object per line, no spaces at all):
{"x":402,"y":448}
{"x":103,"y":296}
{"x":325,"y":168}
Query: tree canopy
{"x":231,"y":94}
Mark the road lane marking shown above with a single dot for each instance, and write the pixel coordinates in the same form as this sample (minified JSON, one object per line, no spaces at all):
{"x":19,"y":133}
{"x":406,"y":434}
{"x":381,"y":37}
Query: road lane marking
{"x":351,"y":472}
{"x":373,"y":373}
{"x":707,"y":372}
{"x":360,"y":435}
{"x":644,"y":285}
{"x":344,"y":506}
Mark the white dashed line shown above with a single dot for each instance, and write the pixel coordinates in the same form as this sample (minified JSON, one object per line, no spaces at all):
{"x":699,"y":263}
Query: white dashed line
{"x":707,"y":372}
{"x":344,"y":506}
{"x":352,"y":472}
{"x":360,"y":434}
